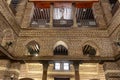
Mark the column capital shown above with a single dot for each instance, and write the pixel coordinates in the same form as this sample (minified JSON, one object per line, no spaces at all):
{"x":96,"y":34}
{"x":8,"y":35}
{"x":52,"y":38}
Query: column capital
{"x":76,"y":66}
{"x":45,"y":66}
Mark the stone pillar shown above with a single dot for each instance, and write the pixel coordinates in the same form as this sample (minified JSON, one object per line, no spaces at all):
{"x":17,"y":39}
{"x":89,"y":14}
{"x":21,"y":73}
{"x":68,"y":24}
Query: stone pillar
{"x":74,"y":17}
{"x":20,"y":10}
{"x":112,"y":71}
{"x":13,"y":72}
{"x":76,"y":67}
{"x":51,"y":15}
{"x":98,"y":15}
{"x":28,"y":15}
{"x":4,"y":64}
{"x":45,"y":67}
{"x":106,"y":9}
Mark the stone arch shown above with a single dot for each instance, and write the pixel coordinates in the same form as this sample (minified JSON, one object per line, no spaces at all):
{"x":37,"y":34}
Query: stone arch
{"x":33,"y":48}
{"x":60,"y":48}
{"x":26,"y":79}
{"x":93,"y":45}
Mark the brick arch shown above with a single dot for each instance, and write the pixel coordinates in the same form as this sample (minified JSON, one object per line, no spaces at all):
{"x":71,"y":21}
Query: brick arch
{"x":26,"y":79}
{"x":94,"y":45}
{"x":60,"y":48}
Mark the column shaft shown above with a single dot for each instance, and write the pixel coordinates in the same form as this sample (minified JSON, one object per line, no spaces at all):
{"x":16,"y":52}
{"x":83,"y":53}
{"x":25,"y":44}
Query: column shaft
{"x":45,"y":67}
{"x":76,"y":67}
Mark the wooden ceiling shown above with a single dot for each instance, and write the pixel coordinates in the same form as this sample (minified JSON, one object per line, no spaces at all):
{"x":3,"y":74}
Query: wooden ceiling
{"x":42,"y":4}
{"x":84,"y":4}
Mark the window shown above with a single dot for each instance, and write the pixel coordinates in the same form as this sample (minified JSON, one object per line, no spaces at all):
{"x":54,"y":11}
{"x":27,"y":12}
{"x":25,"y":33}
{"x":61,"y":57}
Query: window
{"x":57,"y":66}
{"x":33,"y":48}
{"x":41,"y":15}
{"x":89,"y":50}
{"x":62,"y":15}
{"x":60,"y":50}
{"x":65,"y":13}
{"x":66,"y":66}
{"x":62,"y":66}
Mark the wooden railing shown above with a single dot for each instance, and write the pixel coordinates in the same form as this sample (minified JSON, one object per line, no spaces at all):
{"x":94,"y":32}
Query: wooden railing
{"x":91,"y":23}
{"x":39,"y":22}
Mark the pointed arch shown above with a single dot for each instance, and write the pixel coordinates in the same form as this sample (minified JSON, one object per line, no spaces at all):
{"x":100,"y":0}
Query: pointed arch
{"x":60,"y":48}
{"x":90,"y":48}
{"x":33,"y":48}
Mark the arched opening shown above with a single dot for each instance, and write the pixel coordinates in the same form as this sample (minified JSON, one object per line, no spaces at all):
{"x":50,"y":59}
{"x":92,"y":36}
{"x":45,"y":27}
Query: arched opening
{"x":33,"y":48}
{"x":89,"y":50}
{"x":60,"y":48}
{"x":26,"y":79}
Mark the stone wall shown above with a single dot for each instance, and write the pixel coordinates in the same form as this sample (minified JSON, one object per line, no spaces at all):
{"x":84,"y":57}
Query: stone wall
{"x":112,"y":71}
{"x":75,"y":44}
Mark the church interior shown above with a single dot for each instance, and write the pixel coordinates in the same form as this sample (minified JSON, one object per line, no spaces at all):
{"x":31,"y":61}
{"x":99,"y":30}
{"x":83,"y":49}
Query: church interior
{"x":59,"y":40}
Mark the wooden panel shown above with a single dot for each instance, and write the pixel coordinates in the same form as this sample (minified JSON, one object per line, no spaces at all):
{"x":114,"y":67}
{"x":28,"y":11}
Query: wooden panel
{"x":85,"y":4}
{"x":58,"y":5}
{"x":42,"y":4}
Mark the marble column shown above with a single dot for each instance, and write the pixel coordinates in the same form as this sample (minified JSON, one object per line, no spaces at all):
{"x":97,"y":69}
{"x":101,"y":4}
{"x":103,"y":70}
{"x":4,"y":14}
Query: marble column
{"x":111,"y":70}
{"x":76,"y":67}
{"x":99,"y":15}
{"x":106,"y":9}
{"x":45,"y":67}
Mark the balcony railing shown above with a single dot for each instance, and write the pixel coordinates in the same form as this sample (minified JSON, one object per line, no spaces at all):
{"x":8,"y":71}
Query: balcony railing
{"x":39,"y":22}
{"x":91,"y":23}
{"x":62,"y":23}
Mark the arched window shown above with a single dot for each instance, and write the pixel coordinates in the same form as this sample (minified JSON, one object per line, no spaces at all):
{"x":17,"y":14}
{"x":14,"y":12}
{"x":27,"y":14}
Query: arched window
{"x":33,"y":48}
{"x":60,"y":50}
{"x":89,"y":50}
